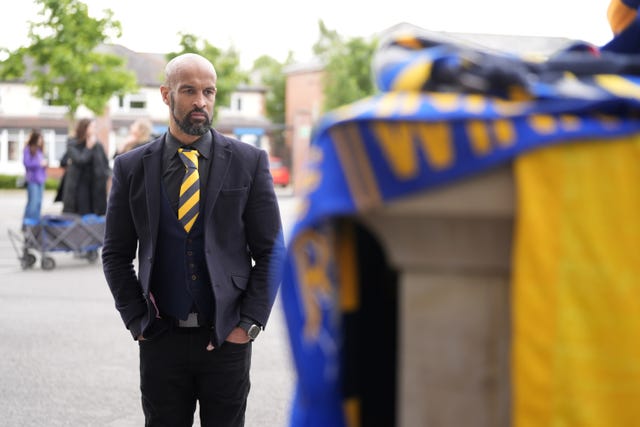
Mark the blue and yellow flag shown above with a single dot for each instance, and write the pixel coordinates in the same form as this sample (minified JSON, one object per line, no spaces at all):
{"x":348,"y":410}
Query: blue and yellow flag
{"x":576,"y":286}
{"x":448,"y":112}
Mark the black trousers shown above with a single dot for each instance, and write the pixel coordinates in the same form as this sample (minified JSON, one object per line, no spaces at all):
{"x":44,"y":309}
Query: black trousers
{"x":176,"y":371}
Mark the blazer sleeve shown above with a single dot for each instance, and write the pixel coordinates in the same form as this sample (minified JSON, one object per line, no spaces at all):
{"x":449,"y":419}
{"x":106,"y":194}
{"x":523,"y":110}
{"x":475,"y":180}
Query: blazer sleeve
{"x":119,"y":252}
{"x":266,"y":244}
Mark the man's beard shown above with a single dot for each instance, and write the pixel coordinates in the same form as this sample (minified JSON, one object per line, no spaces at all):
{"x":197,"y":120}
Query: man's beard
{"x":187,"y":126}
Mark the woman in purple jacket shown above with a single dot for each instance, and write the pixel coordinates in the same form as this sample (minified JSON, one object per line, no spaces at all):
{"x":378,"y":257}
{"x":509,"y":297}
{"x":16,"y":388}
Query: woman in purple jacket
{"x":36,"y":172}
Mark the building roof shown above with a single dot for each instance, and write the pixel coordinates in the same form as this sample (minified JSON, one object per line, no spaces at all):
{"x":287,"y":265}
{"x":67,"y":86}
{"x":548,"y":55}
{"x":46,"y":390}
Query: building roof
{"x":148,"y":67}
{"x":255,"y":88}
{"x":304,"y":67}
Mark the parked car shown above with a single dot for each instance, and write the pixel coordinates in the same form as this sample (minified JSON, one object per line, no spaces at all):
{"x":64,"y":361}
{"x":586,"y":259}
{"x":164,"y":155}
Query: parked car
{"x":279,"y":171}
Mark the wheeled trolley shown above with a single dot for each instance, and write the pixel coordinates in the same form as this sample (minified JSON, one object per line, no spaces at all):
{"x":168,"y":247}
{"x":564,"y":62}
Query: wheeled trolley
{"x":81,"y":235}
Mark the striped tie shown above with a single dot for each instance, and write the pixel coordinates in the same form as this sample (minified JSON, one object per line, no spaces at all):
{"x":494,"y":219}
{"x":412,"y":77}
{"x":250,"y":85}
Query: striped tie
{"x":189,"y":189}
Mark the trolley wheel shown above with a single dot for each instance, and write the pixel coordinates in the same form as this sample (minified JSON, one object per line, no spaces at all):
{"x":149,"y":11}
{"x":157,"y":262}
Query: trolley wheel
{"x":27,"y":260}
{"x":48,"y":263}
{"x":92,"y":256}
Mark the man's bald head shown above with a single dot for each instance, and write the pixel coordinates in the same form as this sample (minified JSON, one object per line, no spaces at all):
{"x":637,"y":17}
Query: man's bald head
{"x":190,"y":92}
{"x":186,"y":62}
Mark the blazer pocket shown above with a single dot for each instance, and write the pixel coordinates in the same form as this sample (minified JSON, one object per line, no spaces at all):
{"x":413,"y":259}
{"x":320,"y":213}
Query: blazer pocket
{"x":240,"y":282}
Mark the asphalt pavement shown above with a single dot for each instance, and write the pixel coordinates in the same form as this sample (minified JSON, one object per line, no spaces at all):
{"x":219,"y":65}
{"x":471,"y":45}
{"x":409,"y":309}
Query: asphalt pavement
{"x":66,"y":358}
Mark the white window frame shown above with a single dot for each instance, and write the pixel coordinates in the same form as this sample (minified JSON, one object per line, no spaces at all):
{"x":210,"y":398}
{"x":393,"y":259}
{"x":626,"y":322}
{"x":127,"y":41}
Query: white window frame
{"x":129,"y":99}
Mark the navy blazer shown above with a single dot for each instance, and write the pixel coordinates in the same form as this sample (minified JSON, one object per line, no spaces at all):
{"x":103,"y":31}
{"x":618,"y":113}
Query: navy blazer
{"x":244,"y":244}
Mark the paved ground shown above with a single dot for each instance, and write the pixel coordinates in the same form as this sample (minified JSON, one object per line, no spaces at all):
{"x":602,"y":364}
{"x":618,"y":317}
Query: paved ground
{"x":66,"y":359}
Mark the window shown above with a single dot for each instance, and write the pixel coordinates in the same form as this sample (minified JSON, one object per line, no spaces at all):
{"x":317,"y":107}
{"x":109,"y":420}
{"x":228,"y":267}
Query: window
{"x":59,"y":146}
{"x":15,"y":139}
{"x":138,"y":105}
{"x":52,"y":104}
{"x":13,"y":151}
{"x":52,"y":100}
{"x":132,"y":102}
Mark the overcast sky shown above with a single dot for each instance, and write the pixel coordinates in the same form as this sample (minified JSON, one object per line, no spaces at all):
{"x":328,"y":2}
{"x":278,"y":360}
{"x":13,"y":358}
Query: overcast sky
{"x":273,"y":27}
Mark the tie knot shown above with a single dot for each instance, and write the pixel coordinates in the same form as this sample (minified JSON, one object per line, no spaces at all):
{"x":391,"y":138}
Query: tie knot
{"x":189,"y":157}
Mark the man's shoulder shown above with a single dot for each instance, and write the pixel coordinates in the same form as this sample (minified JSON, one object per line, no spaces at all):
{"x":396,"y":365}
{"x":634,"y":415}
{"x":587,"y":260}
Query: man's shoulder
{"x":136,"y":154}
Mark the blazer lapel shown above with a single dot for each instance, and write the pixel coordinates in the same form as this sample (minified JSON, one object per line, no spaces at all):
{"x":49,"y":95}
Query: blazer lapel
{"x":221,"y":160}
{"x":152,"y":164}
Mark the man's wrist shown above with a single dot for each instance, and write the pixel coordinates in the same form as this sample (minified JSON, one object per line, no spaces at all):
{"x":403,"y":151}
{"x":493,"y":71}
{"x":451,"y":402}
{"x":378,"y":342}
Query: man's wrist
{"x":250,"y":327}
{"x":245,"y":324}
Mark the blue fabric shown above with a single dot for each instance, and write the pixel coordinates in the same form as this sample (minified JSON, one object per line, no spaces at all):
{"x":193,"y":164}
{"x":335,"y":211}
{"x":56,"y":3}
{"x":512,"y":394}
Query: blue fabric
{"x":628,"y":41}
{"x":33,"y":209}
{"x":633,"y":4}
{"x":466,"y":112}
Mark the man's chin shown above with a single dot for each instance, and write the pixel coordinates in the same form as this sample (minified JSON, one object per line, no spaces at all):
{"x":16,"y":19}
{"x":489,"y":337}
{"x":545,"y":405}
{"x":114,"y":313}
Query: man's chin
{"x":198,"y":130}
{"x":195,"y":129}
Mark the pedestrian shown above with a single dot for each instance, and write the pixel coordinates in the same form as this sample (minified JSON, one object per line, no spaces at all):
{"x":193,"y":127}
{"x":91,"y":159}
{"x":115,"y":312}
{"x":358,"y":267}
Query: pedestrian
{"x":35,"y":164}
{"x":139,"y":134}
{"x":208,"y":268}
{"x":87,"y":172}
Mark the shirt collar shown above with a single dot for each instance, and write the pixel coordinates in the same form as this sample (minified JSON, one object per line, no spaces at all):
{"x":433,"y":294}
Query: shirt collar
{"x":202,"y":144}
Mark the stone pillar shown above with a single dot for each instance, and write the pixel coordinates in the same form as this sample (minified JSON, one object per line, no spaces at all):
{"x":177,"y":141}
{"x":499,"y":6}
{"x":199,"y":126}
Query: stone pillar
{"x":452,"y":249}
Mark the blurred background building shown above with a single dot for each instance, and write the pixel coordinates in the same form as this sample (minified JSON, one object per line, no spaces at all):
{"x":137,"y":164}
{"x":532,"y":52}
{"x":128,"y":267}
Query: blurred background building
{"x":245,"y":117}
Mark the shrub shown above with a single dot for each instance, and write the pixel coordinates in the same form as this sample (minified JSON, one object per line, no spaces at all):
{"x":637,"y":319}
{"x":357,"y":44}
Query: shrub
{"x":10,"y":182}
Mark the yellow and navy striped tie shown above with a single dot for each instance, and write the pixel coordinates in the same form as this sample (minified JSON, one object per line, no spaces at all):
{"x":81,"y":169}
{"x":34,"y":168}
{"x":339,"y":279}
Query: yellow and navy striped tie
{"x":189,"y":202}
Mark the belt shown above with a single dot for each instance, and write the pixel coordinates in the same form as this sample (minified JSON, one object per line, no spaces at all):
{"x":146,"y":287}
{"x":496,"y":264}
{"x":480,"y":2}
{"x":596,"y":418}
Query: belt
{"x":192,"y":321}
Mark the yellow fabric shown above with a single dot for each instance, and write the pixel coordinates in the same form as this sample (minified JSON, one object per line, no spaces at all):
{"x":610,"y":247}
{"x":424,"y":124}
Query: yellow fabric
{"x":189,"y":198}
{"x":619,"y":16}
{"x":576,"y":286}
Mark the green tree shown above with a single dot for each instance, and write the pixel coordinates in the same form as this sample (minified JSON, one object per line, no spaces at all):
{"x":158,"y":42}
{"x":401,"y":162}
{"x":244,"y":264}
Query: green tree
{"x":65,"y":65}
{"x":347,"y":62}
{"x":270,"y":73}
{"x":226,"y":62}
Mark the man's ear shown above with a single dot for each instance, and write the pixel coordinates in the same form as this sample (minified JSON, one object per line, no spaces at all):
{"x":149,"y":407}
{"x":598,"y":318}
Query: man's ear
{"x":164,"y":91}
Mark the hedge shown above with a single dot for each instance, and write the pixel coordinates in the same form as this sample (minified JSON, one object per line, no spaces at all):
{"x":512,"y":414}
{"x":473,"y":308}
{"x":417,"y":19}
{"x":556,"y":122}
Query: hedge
{"x":10,"y":182}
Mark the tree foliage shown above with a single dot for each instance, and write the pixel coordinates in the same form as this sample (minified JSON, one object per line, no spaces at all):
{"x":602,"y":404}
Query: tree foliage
{"x":347,"y":62}
{"x":63,"y":62}
{"x":270,"y":73}
{"x":226,"y":63}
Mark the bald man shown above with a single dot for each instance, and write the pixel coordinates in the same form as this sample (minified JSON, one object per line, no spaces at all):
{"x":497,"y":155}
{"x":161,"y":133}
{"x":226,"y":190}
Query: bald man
{"x":206,"y":279}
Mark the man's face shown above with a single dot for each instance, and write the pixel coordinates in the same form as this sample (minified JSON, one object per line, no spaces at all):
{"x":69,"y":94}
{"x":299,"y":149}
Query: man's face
{"x":191,"y":100}
{"x":192,"y":120}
